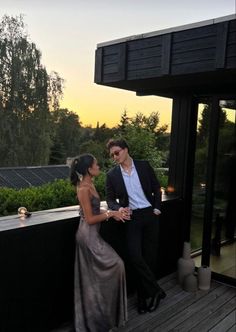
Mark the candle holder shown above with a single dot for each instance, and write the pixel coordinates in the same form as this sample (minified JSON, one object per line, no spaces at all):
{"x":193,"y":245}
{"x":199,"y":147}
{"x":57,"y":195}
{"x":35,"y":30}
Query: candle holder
{"x":23,"y":212}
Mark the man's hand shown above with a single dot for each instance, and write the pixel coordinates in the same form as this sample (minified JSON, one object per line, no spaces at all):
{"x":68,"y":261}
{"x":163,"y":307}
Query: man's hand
{"x":126,"y":212}
{"x":156,"y":212}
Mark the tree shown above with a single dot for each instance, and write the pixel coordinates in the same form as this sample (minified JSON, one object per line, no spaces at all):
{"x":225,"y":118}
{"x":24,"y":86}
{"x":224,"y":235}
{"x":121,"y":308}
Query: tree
{"x":102,"y":133}
{"x":66,"y":136}
{"x":202,"y":142}
{"x":142,"y":133}
{"x":204,"y":123}
{"x":124,"y":121}
{"x":27,"y":94}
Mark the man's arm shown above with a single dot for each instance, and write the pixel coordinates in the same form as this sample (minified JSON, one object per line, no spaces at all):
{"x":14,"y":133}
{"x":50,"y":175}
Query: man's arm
{"x":156,"y":188}
{"x":111,"y":195}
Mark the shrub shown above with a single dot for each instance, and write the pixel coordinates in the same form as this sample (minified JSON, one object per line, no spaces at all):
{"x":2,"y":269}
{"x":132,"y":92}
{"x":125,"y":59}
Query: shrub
{"x":59,"y":193}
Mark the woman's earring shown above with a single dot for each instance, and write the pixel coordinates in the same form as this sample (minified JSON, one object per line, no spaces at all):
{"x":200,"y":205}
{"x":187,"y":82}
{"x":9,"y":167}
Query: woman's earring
{"x":80,"y":176}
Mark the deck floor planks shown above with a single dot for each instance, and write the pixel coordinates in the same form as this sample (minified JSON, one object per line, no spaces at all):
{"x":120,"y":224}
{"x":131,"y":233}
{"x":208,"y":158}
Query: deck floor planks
{"x":181,"y":311}
{"x":226,"y":323}
{"x":232,"y":329}
{"x":177,"y":311}
{"x":202,"y":310}
{"x":204,"y":319}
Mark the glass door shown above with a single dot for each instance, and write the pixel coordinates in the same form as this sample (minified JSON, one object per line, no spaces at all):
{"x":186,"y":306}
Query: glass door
{"x":200,"y":176}
{"x":213,"y":199}
{"x":223,"y":245}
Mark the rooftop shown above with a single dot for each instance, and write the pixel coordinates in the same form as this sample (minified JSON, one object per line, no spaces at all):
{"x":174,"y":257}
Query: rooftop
{"x":169,"y":30}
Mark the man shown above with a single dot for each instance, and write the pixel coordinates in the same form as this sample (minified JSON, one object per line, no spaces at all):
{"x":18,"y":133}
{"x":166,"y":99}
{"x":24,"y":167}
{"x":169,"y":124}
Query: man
{"x":133,"y":188}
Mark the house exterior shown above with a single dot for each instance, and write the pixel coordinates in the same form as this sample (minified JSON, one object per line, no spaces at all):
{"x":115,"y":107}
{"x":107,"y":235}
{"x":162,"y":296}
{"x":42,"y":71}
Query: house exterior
{"x":195,"y":65}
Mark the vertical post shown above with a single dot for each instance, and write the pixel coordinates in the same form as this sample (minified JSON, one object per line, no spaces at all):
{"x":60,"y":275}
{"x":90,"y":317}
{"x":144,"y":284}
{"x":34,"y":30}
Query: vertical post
{"x":210,"y":180}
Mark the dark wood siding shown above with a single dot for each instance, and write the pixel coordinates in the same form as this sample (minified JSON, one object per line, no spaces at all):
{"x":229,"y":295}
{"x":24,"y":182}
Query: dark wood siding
{"x":144,"y":58}
{"x":114,"y":62}
{"x":205,"y":49}
{"x":231,"y":46}
{"x":193,"y":50}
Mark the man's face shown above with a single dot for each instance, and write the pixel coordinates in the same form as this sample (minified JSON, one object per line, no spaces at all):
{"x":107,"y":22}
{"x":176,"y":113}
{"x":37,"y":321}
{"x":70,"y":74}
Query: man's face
{"x":118,"y":154}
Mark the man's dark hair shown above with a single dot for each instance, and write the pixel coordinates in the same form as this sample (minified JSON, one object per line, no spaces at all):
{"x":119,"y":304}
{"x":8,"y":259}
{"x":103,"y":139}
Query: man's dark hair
{"x":117,"y":142}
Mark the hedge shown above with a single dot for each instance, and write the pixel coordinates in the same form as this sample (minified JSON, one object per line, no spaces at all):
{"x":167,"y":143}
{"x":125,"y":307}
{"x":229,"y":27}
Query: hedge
{"x":59,"y":193}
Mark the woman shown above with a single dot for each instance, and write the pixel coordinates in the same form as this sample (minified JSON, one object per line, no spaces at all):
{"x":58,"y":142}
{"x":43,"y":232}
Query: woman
{"x":100,"y":285}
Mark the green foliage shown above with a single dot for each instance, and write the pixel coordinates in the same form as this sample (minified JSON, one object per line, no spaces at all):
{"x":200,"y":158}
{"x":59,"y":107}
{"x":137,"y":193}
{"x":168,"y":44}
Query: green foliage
{"x":141,"y":143}
{"x":226,"y":153}
{"x":226,"y":142}
{"x":35,"y":131}
{"x":53,"y":195}
{"x":162,"y":178}
{"x":27,"y":93}
{"x":33,"y":128}
{"x":100,"y":185}
{"x":95,"y":148}
{"x":65,"y":135}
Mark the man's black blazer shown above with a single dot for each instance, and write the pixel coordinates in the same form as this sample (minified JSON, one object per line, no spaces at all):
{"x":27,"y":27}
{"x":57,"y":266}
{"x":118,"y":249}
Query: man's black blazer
{"x":116,"y":193}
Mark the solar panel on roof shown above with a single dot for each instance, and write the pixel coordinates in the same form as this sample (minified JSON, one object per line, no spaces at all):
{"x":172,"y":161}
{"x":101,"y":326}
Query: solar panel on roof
{"x":4,"y":183}
{"x":12,"y":177}
{"x":64,"y":171}
{"x":45,"y":175}
{"x":30,"y":176}
{"x":58,"y":171}
{"x":22,"y":177}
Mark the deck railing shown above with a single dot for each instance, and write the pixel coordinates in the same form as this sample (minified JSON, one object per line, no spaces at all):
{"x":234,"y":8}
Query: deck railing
{"x":37,"y":263}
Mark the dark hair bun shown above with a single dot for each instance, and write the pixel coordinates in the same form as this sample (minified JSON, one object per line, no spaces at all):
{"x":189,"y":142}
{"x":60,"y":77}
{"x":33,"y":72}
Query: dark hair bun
{"x":80,"y":166}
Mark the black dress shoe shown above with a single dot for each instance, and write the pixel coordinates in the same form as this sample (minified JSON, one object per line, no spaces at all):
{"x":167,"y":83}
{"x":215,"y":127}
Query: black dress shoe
{"x":142,"y":306}
{"x":162,"y":294}
{"x":155,"y":300}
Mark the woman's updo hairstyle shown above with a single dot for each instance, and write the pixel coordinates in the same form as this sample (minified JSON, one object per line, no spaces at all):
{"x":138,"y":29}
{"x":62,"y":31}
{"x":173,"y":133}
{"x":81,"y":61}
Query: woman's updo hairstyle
{"x":80,"y":166}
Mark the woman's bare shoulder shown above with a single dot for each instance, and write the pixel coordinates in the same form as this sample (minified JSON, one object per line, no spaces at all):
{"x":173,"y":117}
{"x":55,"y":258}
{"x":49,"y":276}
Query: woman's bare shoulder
{"x":83,"y":190}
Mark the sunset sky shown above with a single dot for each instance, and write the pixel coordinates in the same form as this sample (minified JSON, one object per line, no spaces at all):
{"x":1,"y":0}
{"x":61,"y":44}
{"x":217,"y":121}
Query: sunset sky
{"x":67,"y":32}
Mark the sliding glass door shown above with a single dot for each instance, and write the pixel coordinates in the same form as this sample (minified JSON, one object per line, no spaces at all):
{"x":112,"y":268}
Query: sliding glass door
{"x":214,"y":198}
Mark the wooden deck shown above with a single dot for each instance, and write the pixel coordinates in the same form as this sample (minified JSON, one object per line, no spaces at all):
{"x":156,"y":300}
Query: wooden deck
{"x":212,"y":311}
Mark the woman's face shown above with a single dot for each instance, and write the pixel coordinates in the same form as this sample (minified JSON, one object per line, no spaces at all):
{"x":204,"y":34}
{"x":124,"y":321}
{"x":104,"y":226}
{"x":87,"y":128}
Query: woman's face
{"x":94,"y":170}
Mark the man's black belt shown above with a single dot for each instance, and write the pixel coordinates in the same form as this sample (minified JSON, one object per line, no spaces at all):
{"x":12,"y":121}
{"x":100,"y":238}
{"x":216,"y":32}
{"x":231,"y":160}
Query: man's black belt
{"x":149,"y":208}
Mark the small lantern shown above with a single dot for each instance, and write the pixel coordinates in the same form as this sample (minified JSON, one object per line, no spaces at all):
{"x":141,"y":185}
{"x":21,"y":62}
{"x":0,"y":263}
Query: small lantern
{"x":23,"y":212}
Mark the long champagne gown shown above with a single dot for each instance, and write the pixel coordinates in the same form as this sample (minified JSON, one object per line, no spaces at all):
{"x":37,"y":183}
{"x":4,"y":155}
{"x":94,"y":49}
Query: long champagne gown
{"x":100,"y":285}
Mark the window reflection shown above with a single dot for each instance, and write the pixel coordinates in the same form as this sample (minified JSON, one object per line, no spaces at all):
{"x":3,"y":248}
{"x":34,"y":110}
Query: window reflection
{"x":199,"y":184}
{"x":224,"y":217}
{"x":223,"y":246}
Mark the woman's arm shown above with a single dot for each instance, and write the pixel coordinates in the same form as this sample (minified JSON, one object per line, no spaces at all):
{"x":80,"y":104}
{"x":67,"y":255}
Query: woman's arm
{"x":85,"y":202}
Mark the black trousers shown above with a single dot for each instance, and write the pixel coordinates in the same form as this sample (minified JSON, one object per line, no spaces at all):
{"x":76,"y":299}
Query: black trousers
{"x":142,"y":246}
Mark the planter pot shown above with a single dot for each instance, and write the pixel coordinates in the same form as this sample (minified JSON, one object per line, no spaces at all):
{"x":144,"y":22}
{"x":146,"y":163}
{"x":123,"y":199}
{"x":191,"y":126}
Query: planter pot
{"x":204,"y":277}
{"x":190,"y":283}
{"x":186,"y":264}
{"x":185,"y":267}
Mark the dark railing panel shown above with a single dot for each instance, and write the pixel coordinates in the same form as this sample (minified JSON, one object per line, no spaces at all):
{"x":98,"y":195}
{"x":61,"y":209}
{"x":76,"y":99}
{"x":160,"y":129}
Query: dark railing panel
{"x":37,"y":263}
{"x":36,"y":278}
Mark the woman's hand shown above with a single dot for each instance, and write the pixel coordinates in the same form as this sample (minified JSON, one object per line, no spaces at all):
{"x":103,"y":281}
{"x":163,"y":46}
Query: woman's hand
{"x":118,"y":215}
